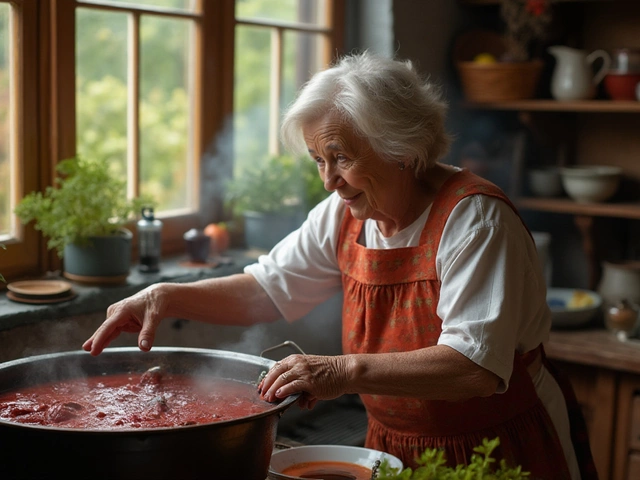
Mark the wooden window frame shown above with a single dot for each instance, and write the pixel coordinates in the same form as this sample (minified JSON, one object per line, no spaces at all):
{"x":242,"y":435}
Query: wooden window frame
{"x":46,"y":132}
{"x":24,"y":250}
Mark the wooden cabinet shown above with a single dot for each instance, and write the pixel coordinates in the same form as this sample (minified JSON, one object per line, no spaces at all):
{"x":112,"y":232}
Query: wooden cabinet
{"x":634,"y":437}
{"x":627,"y":455}
{"x":605,"y":374}
{"x":634,"y":467}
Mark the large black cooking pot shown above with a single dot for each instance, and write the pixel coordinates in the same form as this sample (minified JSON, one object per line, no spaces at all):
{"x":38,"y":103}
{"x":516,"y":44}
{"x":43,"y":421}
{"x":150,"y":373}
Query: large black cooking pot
{"x":237,"y":449}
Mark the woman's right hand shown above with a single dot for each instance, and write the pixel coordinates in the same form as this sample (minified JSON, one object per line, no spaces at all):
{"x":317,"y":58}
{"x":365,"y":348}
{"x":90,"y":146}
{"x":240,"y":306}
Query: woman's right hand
{"x":141,"y":312}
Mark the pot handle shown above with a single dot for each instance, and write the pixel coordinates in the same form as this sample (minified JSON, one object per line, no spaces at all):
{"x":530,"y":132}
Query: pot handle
{"x":286,"y":343}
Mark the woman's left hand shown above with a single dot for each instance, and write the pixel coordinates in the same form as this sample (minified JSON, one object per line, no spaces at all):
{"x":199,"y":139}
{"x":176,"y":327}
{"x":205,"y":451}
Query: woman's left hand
{"x":317,"y":377}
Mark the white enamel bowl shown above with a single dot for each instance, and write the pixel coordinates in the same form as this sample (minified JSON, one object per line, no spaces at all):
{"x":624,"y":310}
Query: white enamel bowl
{"x":590,"y":183}
{"x":283,"y":459}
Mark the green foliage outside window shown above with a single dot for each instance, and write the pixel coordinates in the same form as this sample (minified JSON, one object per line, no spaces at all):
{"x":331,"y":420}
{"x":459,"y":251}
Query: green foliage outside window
{"x":102,"y":100}
{"x":102,"y":93}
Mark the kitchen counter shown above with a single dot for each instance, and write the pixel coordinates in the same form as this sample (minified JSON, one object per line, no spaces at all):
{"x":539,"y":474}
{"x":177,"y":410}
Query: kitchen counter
{"x":594,"y":347}
{"x":91,"y":298}
{"x":27,"y":329}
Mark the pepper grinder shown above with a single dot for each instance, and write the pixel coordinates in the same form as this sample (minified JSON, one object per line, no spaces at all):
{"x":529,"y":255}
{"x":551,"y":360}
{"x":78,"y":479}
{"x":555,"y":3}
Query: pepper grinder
{"x":622,"y":317}
{"x":198,"y":245}
{"x":149,"y":241}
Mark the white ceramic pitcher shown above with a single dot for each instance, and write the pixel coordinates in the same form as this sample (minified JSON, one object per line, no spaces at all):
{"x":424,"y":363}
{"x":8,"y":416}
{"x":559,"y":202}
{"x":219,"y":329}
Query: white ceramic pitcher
{"x":620,"y":281}
{"x":573,"y":77}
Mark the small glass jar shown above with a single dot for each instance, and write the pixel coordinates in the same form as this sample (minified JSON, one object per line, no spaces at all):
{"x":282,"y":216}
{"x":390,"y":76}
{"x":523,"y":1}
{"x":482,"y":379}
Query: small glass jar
{"x":621,"y":317}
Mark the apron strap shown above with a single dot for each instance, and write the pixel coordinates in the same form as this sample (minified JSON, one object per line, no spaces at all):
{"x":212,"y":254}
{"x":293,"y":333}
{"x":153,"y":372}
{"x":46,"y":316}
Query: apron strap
{"x":579,"y":432}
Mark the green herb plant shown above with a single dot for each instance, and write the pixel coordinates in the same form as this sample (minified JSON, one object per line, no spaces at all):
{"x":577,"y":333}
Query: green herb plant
{"x":279,"y":184}
{"x":432,"y":466}
{"x":86,"y":201}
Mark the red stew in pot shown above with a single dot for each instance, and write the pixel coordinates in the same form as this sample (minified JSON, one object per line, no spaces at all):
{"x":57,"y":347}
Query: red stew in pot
{"x":132,"y":401}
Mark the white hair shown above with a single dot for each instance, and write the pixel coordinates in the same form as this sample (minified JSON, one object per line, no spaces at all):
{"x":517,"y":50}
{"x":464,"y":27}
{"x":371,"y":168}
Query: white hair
{"x":386,"y":101}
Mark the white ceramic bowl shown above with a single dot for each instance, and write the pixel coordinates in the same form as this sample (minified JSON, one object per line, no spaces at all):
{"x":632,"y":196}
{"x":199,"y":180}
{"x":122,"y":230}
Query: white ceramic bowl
{"x":545,"y":181}
{"x":572,"y":307}
{"x":590,"y":183}
{"x":283,"y":459}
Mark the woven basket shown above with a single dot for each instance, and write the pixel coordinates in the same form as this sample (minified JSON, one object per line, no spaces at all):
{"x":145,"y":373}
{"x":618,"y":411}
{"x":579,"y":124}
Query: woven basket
{"x":499,"y":82}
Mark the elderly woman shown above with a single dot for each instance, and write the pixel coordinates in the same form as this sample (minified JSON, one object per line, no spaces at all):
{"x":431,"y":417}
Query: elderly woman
{"x":444,"y":312}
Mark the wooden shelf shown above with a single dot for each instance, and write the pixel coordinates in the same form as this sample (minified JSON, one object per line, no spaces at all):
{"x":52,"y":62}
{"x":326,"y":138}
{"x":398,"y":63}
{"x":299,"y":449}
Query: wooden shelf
{"x":563,"y":205}
{"x":587,"y":106}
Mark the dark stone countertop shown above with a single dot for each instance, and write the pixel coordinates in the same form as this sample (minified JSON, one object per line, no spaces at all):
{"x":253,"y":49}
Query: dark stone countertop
{"x":90,"y":298}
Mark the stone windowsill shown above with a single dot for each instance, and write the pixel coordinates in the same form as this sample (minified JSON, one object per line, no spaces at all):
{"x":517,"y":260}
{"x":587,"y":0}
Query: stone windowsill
{"x":91,"y":299}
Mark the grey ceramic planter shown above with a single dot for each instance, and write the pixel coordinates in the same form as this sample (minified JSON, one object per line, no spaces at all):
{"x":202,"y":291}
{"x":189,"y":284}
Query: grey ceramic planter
{"x":264,"y":230}
{"x":104,"y":260}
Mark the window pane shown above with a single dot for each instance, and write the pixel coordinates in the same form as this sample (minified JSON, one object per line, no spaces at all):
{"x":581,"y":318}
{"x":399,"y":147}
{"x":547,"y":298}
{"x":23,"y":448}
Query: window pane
{"x":188,"y":5}
{"x":166,"y":169}
{"x":7,"y":176}
{"x":306,"y":11}
{"x":303,"y":56}
{"x":301,"y":59}
{"x":101,"y":87}
{"x":251,"y":95}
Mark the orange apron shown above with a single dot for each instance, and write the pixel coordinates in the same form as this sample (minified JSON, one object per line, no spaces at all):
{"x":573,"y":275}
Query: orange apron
{"x":390,"y":300}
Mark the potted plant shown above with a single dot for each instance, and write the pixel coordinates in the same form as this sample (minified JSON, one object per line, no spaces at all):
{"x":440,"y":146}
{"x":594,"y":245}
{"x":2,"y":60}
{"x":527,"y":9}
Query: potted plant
{"x":274,"y":197}
{"x":526,"y":22}
{"x":83,"y":216}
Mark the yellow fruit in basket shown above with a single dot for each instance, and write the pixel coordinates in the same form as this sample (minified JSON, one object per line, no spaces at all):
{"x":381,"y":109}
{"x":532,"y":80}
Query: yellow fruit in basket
{"x":484,"y":58}
{"x":580,"y":299}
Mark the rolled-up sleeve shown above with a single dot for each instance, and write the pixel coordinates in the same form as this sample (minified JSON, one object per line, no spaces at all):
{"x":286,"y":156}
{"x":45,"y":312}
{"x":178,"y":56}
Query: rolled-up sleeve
{"x":492,"y":298}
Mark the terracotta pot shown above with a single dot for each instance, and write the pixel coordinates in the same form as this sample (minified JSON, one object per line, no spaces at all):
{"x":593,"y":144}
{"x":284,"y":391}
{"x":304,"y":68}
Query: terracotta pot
{"x":621,"y":86}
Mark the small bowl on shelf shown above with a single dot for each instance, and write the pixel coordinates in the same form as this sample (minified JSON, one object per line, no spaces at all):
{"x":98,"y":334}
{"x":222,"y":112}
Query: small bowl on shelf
{"x":545,"y":181}
{"x":590,"y":183}
{"x":621,"y":86}
{"x":572,"y":307}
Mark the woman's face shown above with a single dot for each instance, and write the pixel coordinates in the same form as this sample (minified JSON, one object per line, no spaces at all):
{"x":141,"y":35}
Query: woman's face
{"x":347,"y":163}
